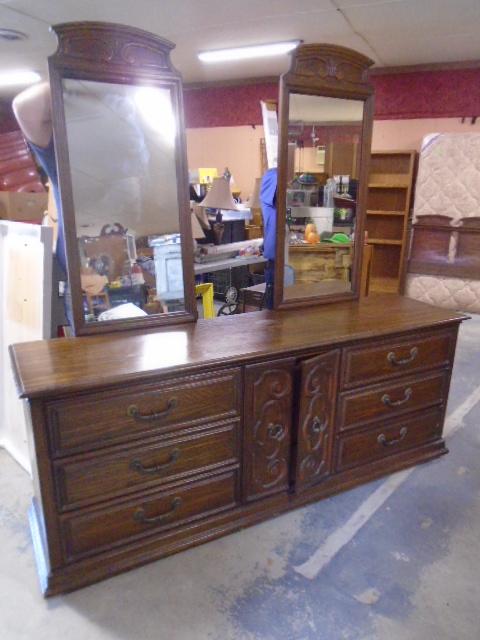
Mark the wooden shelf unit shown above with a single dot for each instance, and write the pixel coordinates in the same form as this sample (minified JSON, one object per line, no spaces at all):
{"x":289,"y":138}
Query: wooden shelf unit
{"x":390,"y":189}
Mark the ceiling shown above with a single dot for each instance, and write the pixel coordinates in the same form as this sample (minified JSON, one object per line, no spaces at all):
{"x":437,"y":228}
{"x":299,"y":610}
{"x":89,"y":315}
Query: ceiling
{"x":391,"y":32}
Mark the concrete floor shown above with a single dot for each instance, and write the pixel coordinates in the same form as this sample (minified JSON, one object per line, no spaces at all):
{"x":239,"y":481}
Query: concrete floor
{"x":398,"y":559}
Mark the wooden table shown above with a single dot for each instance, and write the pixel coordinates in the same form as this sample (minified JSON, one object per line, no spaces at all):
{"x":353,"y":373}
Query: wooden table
{"x":321,"y":261}
{"x":230,"y":263}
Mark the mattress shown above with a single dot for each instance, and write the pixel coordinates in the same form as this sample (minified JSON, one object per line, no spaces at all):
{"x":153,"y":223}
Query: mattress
{"x":448,"y":183}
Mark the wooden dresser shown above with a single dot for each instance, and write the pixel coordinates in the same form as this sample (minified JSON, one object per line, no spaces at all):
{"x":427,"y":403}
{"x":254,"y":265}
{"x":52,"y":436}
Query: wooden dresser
{"x":146,"y":443}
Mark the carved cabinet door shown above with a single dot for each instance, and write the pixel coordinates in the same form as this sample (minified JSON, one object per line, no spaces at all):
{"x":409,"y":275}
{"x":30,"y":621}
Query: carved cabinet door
{"x":268,"y":418}
{"x":316,"y":416}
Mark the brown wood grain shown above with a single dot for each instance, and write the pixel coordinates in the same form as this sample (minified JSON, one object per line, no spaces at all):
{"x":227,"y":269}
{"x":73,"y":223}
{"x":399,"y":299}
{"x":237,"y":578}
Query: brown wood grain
{"x":389,"y":358}
{"x":316,"y":419}
{"x":96,"y":530}
{"x":365,"y":446}
{"x":360,"y":407}
{"x":64,"y":365}
{"x":97,"y":420}
{"x":87,"y":479}
{"x":391,"y":183}
{"x":267,"y":428}
{"x":103,"y":565}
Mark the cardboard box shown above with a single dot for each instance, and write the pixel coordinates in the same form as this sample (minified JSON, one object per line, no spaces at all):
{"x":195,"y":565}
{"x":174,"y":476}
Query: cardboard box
{"x":22,"y":207}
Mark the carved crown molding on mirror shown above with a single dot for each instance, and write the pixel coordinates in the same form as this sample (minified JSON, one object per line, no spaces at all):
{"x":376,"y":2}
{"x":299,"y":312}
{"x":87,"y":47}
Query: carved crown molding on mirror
{"x":93,"y":42}
{"x":118,"y":124}
{"x":325,"y":65}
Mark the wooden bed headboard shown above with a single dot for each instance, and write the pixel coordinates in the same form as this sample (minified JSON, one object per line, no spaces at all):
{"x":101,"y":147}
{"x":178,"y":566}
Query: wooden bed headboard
{"x":438,"y":248}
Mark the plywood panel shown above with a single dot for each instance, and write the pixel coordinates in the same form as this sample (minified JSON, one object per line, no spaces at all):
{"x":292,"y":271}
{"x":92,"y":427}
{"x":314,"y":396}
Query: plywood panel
{"x":25,"y":295}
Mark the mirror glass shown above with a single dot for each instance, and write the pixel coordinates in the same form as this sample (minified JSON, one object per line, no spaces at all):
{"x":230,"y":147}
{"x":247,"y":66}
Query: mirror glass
{"x":324,"y":143}
{"x":122,"y":152}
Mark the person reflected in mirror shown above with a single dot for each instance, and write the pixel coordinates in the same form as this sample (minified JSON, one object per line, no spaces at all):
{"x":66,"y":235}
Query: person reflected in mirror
{"x":268,"y":200}
{"x":33,"y":112}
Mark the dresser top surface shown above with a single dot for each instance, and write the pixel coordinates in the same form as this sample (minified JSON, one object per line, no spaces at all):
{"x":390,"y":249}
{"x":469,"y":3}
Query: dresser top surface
{"x":65,"y":365}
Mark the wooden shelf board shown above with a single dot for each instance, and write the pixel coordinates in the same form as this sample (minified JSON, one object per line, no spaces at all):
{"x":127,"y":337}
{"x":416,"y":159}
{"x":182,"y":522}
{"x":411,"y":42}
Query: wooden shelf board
{"x":387,"y":185}
{"x":394,"y":152}
{"x":383,"y":285}
{"x":377,"y":212}
{"x":384,"y":241}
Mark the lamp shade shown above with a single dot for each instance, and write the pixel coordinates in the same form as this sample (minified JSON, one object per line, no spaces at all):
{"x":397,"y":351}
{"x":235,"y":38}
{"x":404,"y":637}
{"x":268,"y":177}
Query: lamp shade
{"x":254,"y":201}
{"x":219,"y":196}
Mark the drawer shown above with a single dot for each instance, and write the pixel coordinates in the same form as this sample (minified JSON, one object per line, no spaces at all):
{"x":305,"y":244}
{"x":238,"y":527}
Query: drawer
{"x":396,"y":356}
{"x":389,"y":438}
{"x":96,"y":420}
{"x":86,"y":480}
{"x":390,"y":400}
{"x":102,"y":529}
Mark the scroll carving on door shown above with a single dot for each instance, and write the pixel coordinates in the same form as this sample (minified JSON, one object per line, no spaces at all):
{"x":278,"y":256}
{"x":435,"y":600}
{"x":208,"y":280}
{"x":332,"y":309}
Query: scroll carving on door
{"x":316,"y":418}
{"x":268,"y":428}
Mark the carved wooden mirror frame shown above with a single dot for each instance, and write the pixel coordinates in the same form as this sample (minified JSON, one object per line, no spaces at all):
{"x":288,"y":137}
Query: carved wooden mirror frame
{"x":335,"y":72}
{"x":112,"y":53}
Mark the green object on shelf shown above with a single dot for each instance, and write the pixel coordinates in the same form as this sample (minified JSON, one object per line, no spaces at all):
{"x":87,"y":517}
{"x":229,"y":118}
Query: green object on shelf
{"x":337,"y":238}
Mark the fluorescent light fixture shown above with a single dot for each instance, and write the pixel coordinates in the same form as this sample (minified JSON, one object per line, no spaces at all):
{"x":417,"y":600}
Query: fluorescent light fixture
{"x":17,"y":78}
{"x":244,"y":53}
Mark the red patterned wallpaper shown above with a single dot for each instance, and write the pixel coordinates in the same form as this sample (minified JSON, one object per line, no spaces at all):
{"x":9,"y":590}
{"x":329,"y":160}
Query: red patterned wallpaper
{"x":227,"y":106}
{"x":419,"y":94}
{"x":427,"y":94}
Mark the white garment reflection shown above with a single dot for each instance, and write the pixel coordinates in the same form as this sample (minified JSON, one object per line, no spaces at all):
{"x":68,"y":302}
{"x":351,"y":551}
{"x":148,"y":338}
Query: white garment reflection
{"x":122,"y":154}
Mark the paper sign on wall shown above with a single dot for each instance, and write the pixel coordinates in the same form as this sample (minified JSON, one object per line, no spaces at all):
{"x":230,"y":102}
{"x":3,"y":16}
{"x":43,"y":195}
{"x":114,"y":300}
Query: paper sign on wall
{"x":270,"y":127}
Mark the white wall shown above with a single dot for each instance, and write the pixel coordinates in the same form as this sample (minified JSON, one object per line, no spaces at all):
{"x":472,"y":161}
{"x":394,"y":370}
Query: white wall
{"x":239,"y":147}
{"x":408,"y":134}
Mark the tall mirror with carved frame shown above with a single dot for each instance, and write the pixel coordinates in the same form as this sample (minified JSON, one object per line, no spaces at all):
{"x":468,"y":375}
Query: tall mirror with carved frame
{"x":325,"y":119}
{"x":121,"y":155}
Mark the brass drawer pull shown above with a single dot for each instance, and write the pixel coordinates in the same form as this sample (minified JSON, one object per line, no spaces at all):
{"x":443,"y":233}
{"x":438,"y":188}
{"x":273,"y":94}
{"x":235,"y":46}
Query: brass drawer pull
{"x":389,"y":443}
{"x":136,"y":465}
{"x":275,"y":431}
{"x":133,"y":412}
{"x":392,"y":358}
{"x":139,"y":515}
{"x":397,"y":403}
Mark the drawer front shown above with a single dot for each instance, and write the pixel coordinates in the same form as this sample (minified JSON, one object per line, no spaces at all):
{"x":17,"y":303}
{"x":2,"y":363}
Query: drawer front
{"x":88,"y":480}
{"x":102,"y":529}
{"x":97,"y":420}
{"x":390,"y":400}
{"x":389,"y":438}
{"x":396,"y":356}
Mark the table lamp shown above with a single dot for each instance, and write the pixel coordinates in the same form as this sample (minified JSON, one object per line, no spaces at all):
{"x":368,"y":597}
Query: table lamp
{"x":219,"y":197}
